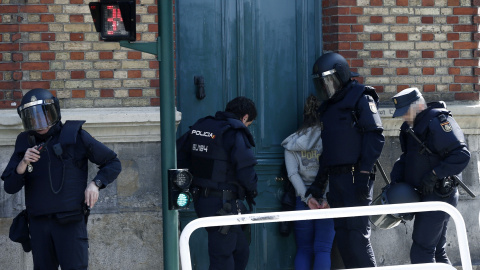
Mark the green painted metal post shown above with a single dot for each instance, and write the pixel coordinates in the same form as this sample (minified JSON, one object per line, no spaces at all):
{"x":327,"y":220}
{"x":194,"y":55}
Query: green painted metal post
{"x":167,"y":120}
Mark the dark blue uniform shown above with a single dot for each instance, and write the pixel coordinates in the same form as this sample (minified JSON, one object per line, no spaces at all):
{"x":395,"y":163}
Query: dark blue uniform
{"x":441,"y":134}
{"x":352,"y":141}
{"x":55,"y":188}
{"x":218,"y":152}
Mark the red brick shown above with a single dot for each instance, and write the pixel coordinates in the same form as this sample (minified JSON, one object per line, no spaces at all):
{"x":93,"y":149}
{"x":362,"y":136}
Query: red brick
{"x":152,"y":10}
{"x":45,"y":56}
{"x":465,"y":45}
{"x":427,"y":37}
{"x":454,"y":71}
{"x":428,"y":3}
{"x":34,"y":47}
{"x":343,"y":11}
{"x":77,"y":36}
{"x":428,"y":71}
{"x":154,"y":65}
{"x":106,"y":93}
{"x":376,"y":3}
{"x":76,"y":2}
{"x":402,"y":87}
{"x":17,"y":57}
{"x":464,"y":28}
{"x":9,"y":85}
{"x":35,"y":84}
{"x":465,"y":62}
{"x":427,"y":20}
{"x":402,"y":3}
{"x":9,"y":47}
{"x":47,"y":18}
{"x":9,"y":9}
{"x":7,"y":104}
{"x":1,"y":95}
{"x":402,"y":71}
{"x":356,"y":45}
{"x":356,"y":63}
{"x":453,"y":36}
{"x":153,"y":28}
{"x":134,"y":55}
{"x":402,"y":54}
{"x":106,"y":74}
{"x":77,"y":74}
{"x":78,"y":93}
{"x":35,"y":66}
{"x":376,"y":19}
{"x":357,"y":28}
{"x":344,"y":29}
{"x":347,"y":19}
{"x":376,"y":54}
{"x":428,"y":54}
{"x":17,"y":76}
{"x":48,"y":36}
{"x":453,"y":54}
{"x":77,"y":56}
{"x":153,"y":83}
{"x":135,"y":92}
{"x":376,"y":71}
{"x":429,"y":88}
{"x":466,"y":96}
{"x":356,"y":10}
{"x":452,"y":3}
{"x":76,"y":19}
{"x":347,"y":37}
{"x":46,"y":1}
{"x":376,"y":37}
{"x":33,"y":9}
{"x":476,"y":71}
{"x":466,"y":79}
{"x":8,"y":28}
{"x":452,"y":20}
{"x":48,"y":75}
{"x":155,"y":102}
{"x":401,"y":37}
{"x":344,"y":46}
{"x":465,"y":11}
{"x":402,"y":19}
{"x":9,"y":67}
{"x":134,"y":74}
{"x":476,"y":3}
{"x":105,"y":55}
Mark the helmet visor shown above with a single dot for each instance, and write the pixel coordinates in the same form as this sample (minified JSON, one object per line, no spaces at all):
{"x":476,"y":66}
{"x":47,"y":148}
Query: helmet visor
{"x":327,"y":83}
{"x":38,"y":115}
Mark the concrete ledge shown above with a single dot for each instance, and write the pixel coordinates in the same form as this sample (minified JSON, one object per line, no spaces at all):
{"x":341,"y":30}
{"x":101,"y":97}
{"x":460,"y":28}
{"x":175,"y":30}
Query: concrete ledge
{"x":128,"y":124}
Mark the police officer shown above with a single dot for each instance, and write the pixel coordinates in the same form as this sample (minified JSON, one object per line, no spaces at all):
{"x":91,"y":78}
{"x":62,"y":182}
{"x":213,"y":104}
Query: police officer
{"x":50,"y":160}
{"x":218,"y":152}
{"x":434,"y":150}
{"x":352,"y":142}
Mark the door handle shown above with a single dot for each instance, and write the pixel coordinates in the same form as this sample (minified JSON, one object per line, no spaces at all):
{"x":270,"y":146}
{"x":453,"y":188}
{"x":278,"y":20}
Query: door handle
{"x":200,"y":83}
{"x":279,"y":178}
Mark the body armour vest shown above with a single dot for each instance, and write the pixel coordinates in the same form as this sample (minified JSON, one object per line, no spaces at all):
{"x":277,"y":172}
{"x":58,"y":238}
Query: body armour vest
{"x":341,"y":137}
{"x":211,"y":165}
{"x":417,"y":159}
{"x":58,"y":180}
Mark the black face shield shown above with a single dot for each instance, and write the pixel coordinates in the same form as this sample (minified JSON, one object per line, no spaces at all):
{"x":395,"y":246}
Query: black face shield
{"x":38,"y":115}
{"x":327,"y":83}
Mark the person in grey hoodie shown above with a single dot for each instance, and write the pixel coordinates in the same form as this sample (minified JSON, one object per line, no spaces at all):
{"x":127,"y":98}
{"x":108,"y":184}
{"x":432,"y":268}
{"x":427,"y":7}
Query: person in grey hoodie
{"x":314,"y":238}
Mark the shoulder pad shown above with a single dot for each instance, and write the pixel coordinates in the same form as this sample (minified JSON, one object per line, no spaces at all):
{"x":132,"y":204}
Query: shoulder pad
{"x":369,"y":90}
{"x":69,"y":132}
{"x":444,"y":123}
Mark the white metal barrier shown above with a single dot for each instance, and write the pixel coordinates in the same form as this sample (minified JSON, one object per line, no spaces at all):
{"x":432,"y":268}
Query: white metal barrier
{"x":336,"y":213}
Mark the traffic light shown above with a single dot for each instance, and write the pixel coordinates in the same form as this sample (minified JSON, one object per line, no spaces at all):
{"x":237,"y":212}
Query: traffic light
{"x":114,"y":19}
{"x":179,"y":196}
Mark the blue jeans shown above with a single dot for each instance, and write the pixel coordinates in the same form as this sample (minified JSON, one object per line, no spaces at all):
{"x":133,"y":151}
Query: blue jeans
{"x":314,"y":240}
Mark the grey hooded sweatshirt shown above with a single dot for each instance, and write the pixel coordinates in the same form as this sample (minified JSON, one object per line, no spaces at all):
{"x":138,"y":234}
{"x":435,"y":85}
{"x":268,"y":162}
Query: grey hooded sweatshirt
{"x":302,"y":151}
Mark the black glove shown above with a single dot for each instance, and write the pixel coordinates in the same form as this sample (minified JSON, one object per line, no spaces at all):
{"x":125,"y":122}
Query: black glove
{"x":250,"y":196}
{"x":361,"y":182}
{"x":318,"y":187}
{"x":428,"y":183}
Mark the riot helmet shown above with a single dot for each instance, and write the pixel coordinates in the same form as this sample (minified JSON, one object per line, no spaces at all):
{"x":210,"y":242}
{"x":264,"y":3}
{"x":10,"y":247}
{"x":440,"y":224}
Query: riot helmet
{"x":393,"y":194}
{"x":330,"y":74}
{"x":39,"y":110}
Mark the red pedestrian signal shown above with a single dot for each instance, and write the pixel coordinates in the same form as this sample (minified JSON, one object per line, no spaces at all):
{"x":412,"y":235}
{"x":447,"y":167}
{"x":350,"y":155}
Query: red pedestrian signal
{"x":114,"y":19}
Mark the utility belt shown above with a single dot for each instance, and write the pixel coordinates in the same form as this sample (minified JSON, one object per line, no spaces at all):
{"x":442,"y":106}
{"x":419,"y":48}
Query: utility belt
{"x":347,"y":168}
{"x":225,"y":195}
{"x":69,"y":216}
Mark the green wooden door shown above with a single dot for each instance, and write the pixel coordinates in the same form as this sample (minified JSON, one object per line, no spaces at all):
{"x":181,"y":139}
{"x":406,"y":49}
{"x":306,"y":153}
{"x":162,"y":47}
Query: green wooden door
{"x":264,"y":50}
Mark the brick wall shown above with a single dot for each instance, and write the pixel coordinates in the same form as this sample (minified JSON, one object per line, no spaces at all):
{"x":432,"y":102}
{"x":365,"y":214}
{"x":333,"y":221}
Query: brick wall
{"x":396,"y":44}
{"x":53,"y":44}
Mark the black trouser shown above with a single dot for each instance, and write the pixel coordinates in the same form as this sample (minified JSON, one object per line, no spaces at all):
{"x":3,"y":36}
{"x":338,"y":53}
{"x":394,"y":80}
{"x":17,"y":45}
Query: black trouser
{"x":54,"y":244}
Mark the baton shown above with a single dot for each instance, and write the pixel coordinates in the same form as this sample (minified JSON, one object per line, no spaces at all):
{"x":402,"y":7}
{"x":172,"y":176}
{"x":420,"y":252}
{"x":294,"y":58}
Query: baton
{"x":460,"y":182}
{"x":382,"y":172}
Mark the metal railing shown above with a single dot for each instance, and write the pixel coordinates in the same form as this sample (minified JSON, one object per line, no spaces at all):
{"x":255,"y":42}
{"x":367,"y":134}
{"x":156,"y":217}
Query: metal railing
{"x":336,"y":213}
